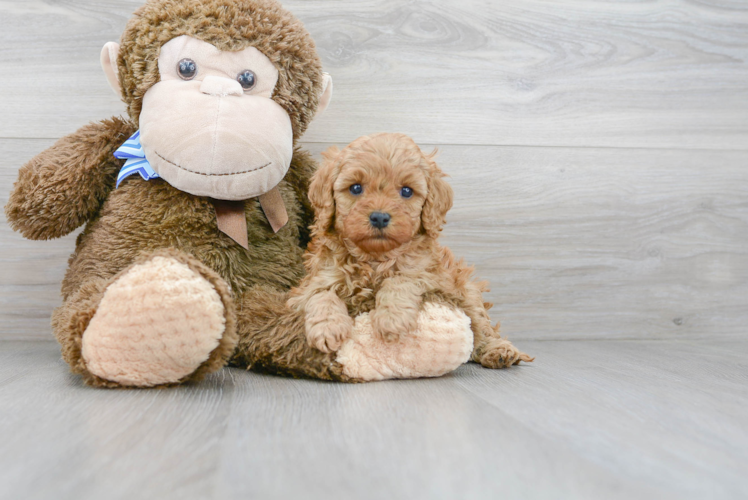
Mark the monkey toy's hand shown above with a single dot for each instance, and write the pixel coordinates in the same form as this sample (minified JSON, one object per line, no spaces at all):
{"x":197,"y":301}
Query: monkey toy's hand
{"x":63,"y":187}
{"x":327,"y":321}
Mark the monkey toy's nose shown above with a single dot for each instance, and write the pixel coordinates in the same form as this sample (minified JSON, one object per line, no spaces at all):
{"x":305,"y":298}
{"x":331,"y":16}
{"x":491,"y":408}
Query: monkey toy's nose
{"x":220,"y":86}
{"x":379,"y":220}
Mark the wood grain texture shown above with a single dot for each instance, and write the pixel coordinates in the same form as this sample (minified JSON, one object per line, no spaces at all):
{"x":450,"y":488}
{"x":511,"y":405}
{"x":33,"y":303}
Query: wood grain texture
{"x":577,"y":243}
{"x":530,"y":72}
{"x":636,"y":419}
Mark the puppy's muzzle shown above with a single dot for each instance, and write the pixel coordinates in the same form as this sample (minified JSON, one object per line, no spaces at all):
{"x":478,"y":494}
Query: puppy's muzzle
{"x":379,"y":220}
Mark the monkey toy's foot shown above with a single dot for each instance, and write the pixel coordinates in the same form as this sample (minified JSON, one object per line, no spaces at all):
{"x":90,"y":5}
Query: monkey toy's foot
{"x":159,"y":322}
{"x":441,"y":342}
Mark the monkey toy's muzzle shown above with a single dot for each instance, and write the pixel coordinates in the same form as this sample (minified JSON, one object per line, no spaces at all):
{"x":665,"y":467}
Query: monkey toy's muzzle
{"x":209,"y":139}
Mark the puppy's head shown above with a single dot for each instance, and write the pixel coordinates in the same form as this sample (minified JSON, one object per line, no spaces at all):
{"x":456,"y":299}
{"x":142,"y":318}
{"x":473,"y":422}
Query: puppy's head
{"x":379,"y":193}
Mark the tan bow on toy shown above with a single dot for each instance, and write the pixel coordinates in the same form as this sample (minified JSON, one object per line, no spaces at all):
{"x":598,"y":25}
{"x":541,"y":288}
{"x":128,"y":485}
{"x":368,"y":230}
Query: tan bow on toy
{"x":232,"y":220}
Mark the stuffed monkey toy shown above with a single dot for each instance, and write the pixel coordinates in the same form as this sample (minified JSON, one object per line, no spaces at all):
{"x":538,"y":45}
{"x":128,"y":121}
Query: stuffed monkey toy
{"x":195,"y":206}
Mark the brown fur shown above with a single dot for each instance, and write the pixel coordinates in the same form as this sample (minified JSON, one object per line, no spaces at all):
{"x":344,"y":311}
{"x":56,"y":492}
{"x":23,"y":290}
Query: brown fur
{"x":72,"y":183}
{"x":63,"y":187}
{"x":143,"y":216}
{"x":388,"y":272}
{"x":272,"y":339}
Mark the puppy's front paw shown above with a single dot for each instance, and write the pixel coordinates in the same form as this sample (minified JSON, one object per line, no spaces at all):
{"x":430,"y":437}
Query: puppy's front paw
{"x":500,"y":353}
{"x":329,"y":332}
{"x":327,"y":322}
{"x":390,"y":325}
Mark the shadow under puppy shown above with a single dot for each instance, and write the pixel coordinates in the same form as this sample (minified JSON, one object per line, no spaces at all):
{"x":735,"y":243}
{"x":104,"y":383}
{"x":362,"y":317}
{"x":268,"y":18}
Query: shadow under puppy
{"x":381,"y":298}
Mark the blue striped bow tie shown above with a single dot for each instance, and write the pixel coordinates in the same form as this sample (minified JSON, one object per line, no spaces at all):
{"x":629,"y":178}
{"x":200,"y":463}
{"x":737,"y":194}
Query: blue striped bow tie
{"x":132,"y":151}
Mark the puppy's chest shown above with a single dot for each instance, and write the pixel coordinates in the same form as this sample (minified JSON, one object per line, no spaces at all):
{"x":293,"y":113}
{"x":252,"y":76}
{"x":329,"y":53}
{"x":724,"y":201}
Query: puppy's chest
{"x":362,"y":290}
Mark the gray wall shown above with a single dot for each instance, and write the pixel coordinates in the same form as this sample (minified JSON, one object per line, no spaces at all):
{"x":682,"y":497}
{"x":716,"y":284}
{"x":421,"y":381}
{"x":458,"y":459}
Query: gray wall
{"x":599,"y":150}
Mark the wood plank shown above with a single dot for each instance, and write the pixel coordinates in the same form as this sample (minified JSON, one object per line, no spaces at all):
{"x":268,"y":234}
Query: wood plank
{"x":415,"y":439}
{"x":529,"y":72}
{"x":577,"y":243}
{"x":587,"y":420}
{"x":670,"y":414}
{"x":99,"y":443}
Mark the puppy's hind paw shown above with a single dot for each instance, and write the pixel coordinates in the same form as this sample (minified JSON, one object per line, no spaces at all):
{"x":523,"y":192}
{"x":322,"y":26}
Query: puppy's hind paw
{"x":500,"y":353}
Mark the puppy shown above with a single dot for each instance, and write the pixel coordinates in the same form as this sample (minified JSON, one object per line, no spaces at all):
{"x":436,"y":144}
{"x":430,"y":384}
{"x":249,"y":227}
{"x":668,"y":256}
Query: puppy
{"x":380,"y":205}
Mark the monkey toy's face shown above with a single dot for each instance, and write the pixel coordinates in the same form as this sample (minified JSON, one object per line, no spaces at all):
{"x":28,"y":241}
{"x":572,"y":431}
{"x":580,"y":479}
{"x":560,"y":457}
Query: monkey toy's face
{"x":209,"y":126}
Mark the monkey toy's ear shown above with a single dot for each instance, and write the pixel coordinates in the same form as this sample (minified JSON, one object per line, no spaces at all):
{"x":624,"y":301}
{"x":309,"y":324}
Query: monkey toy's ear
{"x":326,"y":96}
{"x":109,"y":63}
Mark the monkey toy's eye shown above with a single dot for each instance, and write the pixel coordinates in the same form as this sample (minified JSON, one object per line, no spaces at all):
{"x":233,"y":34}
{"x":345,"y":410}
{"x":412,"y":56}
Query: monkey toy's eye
{"x":406,"y":192}
{"x":356,"y":189}
{"x":187,"y":69}
{"x":247,"y":79}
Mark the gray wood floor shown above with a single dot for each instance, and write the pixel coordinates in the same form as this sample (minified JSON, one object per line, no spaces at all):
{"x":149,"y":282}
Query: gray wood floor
{"x":599,"y":155}
{"x":590,"y":419}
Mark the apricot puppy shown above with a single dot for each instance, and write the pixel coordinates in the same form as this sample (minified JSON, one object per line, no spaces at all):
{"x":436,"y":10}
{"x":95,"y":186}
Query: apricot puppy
{"x":380,"y":205}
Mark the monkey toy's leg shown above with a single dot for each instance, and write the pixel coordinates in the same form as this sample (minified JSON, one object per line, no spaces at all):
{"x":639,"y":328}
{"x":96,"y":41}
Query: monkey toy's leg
{"x":439,"y":343}
{"x":165,"y":319}
{"x":272,"y":339}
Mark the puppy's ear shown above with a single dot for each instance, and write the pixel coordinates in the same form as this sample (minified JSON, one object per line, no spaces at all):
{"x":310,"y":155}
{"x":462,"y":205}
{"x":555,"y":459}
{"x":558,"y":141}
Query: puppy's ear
{"x":438,"y":200}
{"x":321,"y":193}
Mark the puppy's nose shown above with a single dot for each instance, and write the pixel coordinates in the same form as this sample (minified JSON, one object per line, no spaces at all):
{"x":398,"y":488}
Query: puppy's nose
{"x":379,"y":220}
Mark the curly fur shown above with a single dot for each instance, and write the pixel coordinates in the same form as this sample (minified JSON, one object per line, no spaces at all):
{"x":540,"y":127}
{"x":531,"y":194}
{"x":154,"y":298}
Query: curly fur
{"x":353,"y":267}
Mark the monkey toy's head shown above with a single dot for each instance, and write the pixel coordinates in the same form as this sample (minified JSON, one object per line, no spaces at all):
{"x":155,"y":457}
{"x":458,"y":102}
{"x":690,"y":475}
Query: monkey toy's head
{"x":220,"y":89}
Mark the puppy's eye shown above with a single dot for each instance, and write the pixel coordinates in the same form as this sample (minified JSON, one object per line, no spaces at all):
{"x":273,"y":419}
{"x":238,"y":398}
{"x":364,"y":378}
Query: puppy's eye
{"x":356,"y":189}
{"x":247,"y":79}
{"x":406,"y":192}
{"x":187,"y":69}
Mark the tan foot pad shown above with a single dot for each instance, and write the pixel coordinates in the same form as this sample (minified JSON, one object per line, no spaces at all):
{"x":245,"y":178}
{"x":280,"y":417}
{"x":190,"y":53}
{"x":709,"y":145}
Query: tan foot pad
{"x":155,"y":325}
{"x":441,"y":343}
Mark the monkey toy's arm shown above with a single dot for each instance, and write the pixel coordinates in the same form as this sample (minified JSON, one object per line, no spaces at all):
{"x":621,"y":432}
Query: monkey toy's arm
{"x":63,"y":187}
